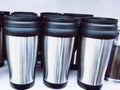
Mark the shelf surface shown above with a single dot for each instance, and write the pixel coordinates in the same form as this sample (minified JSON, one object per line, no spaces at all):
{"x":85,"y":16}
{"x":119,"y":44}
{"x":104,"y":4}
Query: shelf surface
{"x":39,"y":85}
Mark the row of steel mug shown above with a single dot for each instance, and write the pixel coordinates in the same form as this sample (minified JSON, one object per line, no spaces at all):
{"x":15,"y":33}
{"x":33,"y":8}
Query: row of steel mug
{"x":87,"y":43}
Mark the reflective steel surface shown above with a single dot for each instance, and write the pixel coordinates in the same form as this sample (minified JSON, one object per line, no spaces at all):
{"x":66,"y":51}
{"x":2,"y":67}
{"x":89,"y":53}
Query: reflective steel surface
{"x":21,"y":53}
{"x":95,"y":54}
{"x":57,"y":53}
{"x":74,"y":62}
{"x":113,"y":71}
{"x":75,"y":58}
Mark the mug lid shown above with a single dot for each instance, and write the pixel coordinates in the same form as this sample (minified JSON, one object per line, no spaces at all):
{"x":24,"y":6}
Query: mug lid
{"x":22,"y":25}
{"x":50,"y":13}
{"x":60,"y":26}
{"x":60,"y":18}
{"x":99,"y":20}
{"x":4,"y":12}
{"x":23,"y":13}
{"x":22,"y":18}
{"x":99,"y":27}
{"x":78,"y":15}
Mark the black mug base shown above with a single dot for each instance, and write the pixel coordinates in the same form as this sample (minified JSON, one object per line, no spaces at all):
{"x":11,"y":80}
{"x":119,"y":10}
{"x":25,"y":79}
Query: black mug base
{"x":88,"y":87}
{"x":22,"y":86}
{"x":55,"y":86}
{"x":1,"y":64}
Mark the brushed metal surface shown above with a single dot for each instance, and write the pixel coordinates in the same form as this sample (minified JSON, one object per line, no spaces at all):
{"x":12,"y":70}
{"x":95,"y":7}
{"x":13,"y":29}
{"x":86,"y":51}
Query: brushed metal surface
{"x":95,"y":54}
{"x":113,"y":70}
{"x":75,"y":58}
{"x":57,"y":53}
{"x":21,"y":53}
{"x":114,"y":67}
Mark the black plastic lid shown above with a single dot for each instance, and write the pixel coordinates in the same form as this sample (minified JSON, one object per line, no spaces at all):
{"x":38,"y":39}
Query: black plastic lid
{"x":22,"y":25}
{"x":22,"y":18}
{"x":78,"y":15}
{"x":24,"y":13}
{"x":4,"y":12}
{"x":101,"y":28}
{"x":60,"y":18}
{"x":99,"y":20}
{"x":49,"y":13}
{"x":1,"y":21}
{"x":60,"y":26}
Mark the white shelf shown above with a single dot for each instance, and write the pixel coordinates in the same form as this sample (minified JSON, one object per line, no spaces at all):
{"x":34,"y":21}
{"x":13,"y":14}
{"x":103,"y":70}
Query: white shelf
{"x":39,"y":85}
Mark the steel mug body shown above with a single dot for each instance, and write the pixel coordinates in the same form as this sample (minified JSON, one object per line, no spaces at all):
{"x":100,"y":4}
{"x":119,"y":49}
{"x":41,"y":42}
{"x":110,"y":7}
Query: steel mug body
{"x":59,"y":35}
{"x":22,"y":42}
{"x":113,"y":70}
{"x":94,"y":48}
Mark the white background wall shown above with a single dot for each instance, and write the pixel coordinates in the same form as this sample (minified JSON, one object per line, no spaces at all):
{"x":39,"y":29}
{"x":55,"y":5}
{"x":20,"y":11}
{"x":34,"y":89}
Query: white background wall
{"x":104,"y":8}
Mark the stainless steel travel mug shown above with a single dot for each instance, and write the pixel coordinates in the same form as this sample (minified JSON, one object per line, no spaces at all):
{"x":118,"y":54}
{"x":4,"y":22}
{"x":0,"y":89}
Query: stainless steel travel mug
{"x":113,"y":70}
{"x":59,"y":35}
{"x":74,"y":60}
{"x":41,"y":37}
{"x":21,"y":42}
{"x":2,"y":45}
{"x":95,"y":41}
